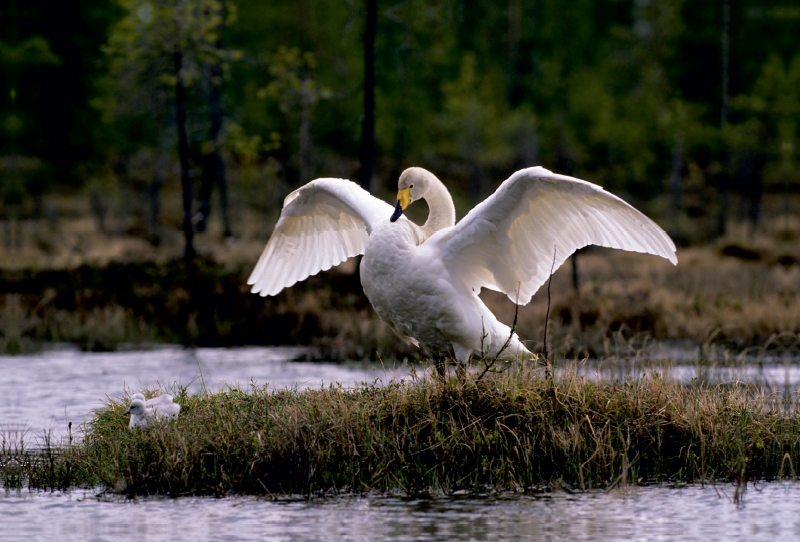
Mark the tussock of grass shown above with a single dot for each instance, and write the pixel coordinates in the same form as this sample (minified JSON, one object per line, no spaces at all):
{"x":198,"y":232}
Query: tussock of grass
{"x":513,"y":430}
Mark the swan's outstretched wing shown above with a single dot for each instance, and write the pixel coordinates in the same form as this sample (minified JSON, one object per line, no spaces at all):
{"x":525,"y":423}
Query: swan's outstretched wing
{"x":508,"y":241}
{"x":322,"y":224}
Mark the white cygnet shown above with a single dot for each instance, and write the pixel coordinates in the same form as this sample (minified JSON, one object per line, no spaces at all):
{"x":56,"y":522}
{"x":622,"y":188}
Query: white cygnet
{"x":141,"y":412}
{"x":165,"y":410}
{"x":158,"y":400}
{"x":138,"y":413}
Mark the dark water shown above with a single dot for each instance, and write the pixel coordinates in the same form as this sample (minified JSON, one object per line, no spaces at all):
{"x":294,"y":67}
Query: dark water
{"x":47,"y":390}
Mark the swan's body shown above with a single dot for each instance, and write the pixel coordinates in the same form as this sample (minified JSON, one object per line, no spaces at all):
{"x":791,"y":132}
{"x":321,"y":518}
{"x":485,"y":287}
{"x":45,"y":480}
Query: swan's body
{"x":424,"y":281}
{"x":414,"y":292}
{"x":142,"y":411}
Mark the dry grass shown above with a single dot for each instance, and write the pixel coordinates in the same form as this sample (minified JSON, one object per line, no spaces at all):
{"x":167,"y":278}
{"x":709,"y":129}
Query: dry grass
{"x":708,"y":297}
{"x":510,"y":431}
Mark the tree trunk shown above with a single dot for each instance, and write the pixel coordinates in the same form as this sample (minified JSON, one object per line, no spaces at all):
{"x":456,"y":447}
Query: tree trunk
{"x":751,"y":180}
{"x":514,"y":35}
{"x":213,"y":165}
{"x":183,"y":155}
{"x":575,"y":279}
{"x":162,"y":162}
{"x":675,"y":188}
{"x":305,"y":139}
{"x":368,"y":126}
{"x":99,"y":208}
{"x":476,"y":182}
{"x":722,"y":219}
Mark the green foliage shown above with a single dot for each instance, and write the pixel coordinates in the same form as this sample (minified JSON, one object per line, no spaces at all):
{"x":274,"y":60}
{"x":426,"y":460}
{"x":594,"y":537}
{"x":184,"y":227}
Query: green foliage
{"x":148,"y":50}
{"x":611,"y":91}
{"x":769,"y":120}
{"x":292,"y":85}
{"x":35,"y":50}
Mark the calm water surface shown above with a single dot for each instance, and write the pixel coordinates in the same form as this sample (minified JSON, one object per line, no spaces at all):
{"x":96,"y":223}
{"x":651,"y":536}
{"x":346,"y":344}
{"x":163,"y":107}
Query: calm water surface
{"x":693,"y":513}
{"x":47,"y":390}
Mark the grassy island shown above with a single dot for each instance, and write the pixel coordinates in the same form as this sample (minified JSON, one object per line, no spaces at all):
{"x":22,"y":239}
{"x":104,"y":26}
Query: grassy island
{"x":509,"y":431}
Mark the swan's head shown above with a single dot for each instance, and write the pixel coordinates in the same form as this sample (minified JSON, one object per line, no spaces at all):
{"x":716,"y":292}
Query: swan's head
{"x":136,"y":408}
{"x":139,"y":396}
{"x":414,"y":183}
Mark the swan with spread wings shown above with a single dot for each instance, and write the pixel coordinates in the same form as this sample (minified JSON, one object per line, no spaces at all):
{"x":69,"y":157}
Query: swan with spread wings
{"x":424,"y":280}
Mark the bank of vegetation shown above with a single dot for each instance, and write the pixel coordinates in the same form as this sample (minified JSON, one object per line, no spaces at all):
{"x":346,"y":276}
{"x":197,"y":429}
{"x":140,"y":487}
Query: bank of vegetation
{"x":711,"y":297}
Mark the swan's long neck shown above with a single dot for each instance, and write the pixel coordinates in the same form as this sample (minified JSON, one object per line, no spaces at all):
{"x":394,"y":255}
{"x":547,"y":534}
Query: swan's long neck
{"x":442,"y":212}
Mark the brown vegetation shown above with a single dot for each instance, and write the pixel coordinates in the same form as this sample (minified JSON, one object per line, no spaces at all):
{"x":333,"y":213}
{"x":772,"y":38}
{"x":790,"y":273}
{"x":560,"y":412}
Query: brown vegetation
{"x":111,"y":289}
{"x":708,"y":298}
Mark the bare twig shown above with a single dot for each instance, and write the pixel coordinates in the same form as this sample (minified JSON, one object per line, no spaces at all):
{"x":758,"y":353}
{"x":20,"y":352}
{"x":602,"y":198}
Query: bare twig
{"x":547,"y":315}
{"x":508,"y":341}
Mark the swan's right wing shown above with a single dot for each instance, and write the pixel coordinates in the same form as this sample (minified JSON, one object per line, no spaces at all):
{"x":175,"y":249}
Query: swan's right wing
{"x":321,"y":225}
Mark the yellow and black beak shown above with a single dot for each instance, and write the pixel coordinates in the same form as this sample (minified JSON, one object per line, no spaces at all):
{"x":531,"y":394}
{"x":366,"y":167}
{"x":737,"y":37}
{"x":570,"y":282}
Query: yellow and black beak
{"x":403,"y":199}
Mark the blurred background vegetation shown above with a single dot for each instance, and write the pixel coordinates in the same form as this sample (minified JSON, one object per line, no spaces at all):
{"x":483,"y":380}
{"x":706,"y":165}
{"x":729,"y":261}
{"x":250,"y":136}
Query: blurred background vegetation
{"x":688,"y":110}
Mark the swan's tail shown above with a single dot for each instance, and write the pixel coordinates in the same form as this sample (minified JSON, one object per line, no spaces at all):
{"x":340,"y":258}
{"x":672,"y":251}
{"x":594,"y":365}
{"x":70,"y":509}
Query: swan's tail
{"x":514,"y":351}
{"x":499,"y":341}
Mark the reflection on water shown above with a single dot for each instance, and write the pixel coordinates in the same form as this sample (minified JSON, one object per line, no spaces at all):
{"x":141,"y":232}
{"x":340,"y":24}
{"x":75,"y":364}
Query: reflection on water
{"x":650,"y":513}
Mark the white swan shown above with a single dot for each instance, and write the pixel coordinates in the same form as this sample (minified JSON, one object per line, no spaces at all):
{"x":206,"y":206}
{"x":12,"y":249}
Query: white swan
{"x":140,"y":412}
{"x":424,"y":281}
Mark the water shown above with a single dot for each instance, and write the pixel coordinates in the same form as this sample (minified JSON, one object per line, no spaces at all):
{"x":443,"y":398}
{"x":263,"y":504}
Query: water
{"x":47,"y":390}
{"x":649,"y":513}
{"x":771,"y":375}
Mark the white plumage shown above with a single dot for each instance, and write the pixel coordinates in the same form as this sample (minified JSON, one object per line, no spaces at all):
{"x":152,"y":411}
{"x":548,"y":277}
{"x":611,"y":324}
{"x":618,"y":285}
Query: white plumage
{"x":424,"y":281}
{"x":142,"y":411}
{"x":157,"y":400}
{"x":321,"y":225}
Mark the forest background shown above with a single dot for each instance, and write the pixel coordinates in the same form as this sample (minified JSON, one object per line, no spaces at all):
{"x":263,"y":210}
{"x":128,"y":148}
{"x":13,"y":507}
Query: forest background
{"x":110,"y":109}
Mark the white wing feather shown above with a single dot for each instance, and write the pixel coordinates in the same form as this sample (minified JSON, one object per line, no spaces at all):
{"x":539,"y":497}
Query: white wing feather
{"x":510,"y":240}
{"x":322,"y":224}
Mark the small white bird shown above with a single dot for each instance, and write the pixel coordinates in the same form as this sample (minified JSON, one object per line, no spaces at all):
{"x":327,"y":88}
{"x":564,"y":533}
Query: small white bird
{"x":158,"y":400}
{"x":424,"y":281}
{"x":140,"y":412}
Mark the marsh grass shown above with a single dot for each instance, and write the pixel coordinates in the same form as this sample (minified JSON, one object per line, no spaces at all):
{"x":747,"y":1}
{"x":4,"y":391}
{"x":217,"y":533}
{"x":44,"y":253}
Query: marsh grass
{"x":514,"y":430}
{"x":99,"y":304}
{"x":38,"y":461}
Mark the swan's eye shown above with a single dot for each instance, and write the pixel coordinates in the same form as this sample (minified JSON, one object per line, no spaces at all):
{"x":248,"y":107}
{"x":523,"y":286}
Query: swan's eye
{"x":411,"y":186}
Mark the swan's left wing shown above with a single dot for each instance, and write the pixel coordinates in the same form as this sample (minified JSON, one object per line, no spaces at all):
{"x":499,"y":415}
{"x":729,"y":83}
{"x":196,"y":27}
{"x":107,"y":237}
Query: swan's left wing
{"x":322,"y":224}
{"x":534,"y":221}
